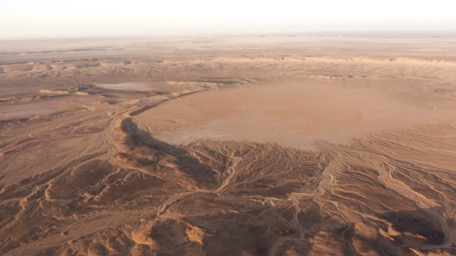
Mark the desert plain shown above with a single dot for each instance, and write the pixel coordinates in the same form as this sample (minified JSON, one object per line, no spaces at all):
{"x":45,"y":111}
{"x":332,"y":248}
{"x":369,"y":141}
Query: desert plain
{"x":235,"y":145}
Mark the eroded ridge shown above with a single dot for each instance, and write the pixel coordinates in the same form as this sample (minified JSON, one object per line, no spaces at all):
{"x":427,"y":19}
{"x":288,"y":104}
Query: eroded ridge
{"x":261,"y":198}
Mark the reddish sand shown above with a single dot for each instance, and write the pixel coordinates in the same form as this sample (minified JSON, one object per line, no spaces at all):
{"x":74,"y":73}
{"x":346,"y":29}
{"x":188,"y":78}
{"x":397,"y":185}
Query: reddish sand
{"x":290,"y":114}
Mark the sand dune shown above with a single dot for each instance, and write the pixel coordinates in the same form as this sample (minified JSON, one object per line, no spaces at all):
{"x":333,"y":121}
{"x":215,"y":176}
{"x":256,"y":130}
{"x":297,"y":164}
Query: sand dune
{"x":312,"y":145}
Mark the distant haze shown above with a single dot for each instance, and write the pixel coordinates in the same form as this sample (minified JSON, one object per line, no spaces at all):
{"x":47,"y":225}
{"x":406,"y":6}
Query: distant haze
{"x":84,"y":18}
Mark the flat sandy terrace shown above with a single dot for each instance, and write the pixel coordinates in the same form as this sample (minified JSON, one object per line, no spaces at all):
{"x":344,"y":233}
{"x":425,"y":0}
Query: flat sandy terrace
{"x":291,"y":114}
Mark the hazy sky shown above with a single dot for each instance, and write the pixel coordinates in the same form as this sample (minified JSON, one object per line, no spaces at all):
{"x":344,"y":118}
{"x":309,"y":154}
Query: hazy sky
{"x":76,"y":18}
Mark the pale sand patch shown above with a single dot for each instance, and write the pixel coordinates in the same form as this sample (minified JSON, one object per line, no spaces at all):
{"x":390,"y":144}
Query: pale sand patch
{"x":51,"y":92}
{"x":129,"y":86}
{"x":26,"y":110}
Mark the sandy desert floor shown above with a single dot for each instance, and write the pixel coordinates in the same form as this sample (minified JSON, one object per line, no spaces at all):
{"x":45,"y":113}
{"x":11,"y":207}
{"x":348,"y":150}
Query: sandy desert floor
{"x":271,"y":145}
